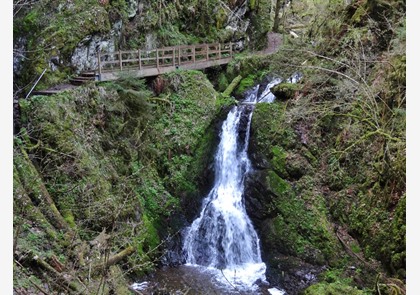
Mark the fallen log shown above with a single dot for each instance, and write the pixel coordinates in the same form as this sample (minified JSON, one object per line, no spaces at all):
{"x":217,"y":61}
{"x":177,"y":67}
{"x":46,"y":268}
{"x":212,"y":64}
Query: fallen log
{"x":228,"y":91}
{"x":113,"y":259}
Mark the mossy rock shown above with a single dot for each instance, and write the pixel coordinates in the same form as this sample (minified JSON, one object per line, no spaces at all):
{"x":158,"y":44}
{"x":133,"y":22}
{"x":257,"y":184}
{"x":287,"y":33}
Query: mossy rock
{"x":296,"y":165}
{"x":278,"y":160}
{"x":332,"y":289}
{"x":285,"y":91}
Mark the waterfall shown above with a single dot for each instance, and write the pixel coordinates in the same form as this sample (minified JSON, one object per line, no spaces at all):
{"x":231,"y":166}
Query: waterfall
{"x":223,"y":237}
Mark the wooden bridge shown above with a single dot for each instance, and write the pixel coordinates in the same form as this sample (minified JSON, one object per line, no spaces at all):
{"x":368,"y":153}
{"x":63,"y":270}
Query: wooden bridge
{"x":146,"y":63}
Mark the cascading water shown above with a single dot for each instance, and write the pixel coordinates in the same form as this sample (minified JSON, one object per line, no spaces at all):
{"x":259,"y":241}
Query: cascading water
{"x":221,"y":246}
{"x":223,"y":237}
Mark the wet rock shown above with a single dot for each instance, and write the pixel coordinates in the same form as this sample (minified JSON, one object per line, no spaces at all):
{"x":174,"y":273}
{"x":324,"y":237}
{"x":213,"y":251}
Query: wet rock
{"x":292,"y":274}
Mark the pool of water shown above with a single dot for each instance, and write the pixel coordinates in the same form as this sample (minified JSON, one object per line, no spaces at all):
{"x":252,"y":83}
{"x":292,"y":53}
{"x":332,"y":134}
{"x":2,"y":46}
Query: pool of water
{"x":189,"y":279}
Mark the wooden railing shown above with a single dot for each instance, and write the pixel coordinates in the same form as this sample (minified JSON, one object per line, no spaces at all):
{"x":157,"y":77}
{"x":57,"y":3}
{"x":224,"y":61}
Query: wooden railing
{"x":163,"y":58}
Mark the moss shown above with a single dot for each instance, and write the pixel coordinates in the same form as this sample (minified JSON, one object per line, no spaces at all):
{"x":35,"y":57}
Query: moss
{"x":69,"y":217}
{"x":277,"y":185}
{"x":332,"y":289}
{"x":285,"y":91}
{"x":252,"y":4}
{"x":245,"y":84}
{"x":359,"y":14}
{"x":278,"y":160}
{"x":152,"y":239}
{"x":222,"y":82}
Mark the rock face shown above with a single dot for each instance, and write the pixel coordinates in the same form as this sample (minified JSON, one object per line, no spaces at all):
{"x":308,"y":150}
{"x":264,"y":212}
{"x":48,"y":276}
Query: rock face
{"x":18,"y":54}
{"x":296,"y":239}
{"x":84,"y":57}
{"x":132,"y":7}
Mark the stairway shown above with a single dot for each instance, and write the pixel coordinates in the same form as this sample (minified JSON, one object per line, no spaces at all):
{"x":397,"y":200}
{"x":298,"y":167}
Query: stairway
{"x":83,"y":78}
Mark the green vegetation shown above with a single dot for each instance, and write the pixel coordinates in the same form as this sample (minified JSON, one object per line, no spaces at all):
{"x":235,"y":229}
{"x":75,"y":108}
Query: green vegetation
{"x":108,"y":166}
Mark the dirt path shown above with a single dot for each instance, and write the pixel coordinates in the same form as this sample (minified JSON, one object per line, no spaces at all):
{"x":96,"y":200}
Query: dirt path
{"x":273,"y":43}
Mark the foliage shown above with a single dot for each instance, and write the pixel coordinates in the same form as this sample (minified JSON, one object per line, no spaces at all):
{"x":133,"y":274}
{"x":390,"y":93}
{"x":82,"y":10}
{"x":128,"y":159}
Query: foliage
{"x":339,"y":140}
{"x":117,"y":163}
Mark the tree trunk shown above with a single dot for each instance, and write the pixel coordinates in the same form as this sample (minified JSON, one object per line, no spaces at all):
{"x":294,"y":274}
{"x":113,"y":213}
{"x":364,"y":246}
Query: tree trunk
{"x":276,"y":16}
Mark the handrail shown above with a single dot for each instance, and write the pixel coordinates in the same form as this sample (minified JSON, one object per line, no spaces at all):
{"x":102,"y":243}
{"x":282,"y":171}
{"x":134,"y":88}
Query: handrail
{"x":30,"y":91}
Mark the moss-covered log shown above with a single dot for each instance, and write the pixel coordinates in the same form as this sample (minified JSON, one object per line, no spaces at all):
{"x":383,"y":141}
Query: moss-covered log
{"x":35,"y":188}
{"x":113,"y":259}
{"x":228,"y":91}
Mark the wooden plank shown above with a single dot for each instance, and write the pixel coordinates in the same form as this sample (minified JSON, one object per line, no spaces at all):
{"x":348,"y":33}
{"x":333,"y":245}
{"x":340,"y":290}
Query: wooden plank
{"x":128,"y":51}
{"x":110,"y":62}
{"x":130,"y":60}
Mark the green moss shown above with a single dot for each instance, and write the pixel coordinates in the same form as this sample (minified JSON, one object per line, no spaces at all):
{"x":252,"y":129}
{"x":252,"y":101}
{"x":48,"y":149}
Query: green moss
{"x":285,"y":91}
{"x":31,"y":21}
{"x":277,"y":185}
{"x":278,"y":160}
{"x":151,"y":239}
{"x":246,"y":84}
{"x":222,"y":82}
{"x":69,"y":217}
{"x":359,"y":14}
{"x":332,"y":289}
{"x":252,"y":4}
{"x":301,"y":227}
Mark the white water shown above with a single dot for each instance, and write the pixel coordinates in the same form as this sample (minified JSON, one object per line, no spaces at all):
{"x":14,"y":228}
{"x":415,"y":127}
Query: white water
{"x":223,"y":238}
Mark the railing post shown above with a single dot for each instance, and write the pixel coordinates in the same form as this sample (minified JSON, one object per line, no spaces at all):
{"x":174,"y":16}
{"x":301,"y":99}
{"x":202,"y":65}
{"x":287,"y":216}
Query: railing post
{"x":193,"y":54}
{"x":207,"y":52}
{"x":179,"y":55}
{"x":99,"y":64}
{"x":120,"y":57}
{"x":230,"y":49}
{"x":173,"y":56}
{"x":220,"y":53}
{"x":157,"y":58}
{"x":139,"y":59}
